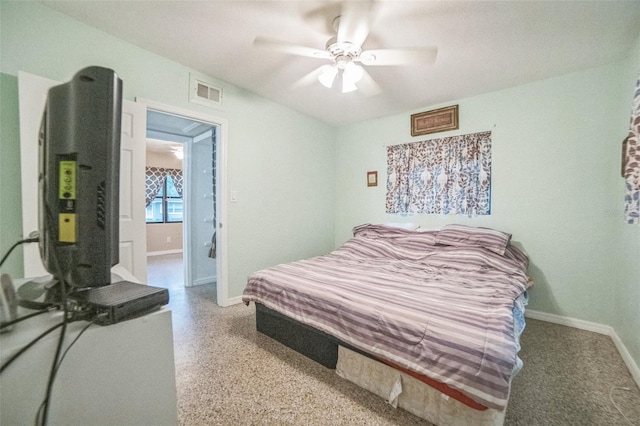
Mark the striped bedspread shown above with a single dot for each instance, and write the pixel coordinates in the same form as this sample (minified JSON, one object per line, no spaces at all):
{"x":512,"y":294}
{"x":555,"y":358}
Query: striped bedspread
{"x":444,"y":311}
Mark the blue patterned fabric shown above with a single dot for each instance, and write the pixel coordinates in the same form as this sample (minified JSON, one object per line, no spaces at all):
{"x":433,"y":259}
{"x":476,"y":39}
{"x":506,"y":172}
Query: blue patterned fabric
{"x":632,"y":164}
{"x":441,"y":176}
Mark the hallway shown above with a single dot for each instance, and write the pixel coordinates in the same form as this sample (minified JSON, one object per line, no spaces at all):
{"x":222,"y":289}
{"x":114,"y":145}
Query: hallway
{"x":167,"y":271}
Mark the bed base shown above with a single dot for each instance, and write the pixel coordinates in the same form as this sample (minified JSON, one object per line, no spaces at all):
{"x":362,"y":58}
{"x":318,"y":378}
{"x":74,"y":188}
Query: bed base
{"x":420,"y":399}
{"x":310,"y":342}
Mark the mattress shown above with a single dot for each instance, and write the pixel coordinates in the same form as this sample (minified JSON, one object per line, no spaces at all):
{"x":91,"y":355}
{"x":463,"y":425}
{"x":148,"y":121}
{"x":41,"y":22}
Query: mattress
{"x":324,"y":349}
{"x":442,"y":310}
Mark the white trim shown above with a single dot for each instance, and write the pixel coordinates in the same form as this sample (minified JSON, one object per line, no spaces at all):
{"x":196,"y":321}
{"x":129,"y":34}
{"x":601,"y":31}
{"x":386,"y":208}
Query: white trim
{"x":205,"y":280}
{"x":221,"y":179}
{"x":593,"y":327}
{"x":570,"y":322}
{"x":221,"y":210}
{"x":163,"y":252}
{"x":187,"y":183}
{"x":183,"y":112}
{"x":234,"y":300}
{"x":628,"y":359}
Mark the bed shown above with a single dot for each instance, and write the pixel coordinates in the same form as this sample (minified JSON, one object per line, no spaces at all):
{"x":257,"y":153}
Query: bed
{"x":429,"y":320}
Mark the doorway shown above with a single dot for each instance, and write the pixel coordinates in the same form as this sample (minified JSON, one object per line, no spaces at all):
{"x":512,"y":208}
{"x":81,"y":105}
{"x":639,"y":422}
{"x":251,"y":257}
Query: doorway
{"x":200,"y":140}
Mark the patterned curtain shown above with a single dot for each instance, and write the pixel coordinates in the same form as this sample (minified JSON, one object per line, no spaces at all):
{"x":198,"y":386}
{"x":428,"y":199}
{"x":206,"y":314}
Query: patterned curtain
{"x":153,"y":182}
{"x":176,"y":176}
{"x":441,"y":176}
{"x":632,"y":163}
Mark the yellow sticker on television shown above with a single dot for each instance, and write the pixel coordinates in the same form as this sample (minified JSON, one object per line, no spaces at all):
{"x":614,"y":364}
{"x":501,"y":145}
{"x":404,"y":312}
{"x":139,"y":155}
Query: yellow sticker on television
{"x":67,"y":227}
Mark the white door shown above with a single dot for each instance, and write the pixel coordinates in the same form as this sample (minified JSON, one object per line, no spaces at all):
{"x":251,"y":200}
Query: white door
{"x":133,"y":228}
{"x":32,"y":91}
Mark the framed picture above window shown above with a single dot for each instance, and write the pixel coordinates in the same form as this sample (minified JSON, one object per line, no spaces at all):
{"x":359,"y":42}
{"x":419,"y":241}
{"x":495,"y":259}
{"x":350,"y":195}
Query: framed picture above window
{"x":436,"y":120}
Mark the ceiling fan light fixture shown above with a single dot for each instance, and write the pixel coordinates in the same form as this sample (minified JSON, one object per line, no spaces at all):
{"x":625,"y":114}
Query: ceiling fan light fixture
{"x":179,"y":153}
{"x":352,"y":73}
{"x":327,"y":75}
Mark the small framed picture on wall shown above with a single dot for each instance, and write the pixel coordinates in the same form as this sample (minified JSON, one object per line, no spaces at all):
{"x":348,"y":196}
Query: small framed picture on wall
{"x":372,"y":178}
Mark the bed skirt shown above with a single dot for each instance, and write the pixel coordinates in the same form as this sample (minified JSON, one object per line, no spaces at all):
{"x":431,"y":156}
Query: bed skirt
{"x":401,"y":390}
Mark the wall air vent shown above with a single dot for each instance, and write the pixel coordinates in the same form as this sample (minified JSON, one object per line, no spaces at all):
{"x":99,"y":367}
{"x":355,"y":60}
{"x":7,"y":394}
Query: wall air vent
{"x":204,"y":93}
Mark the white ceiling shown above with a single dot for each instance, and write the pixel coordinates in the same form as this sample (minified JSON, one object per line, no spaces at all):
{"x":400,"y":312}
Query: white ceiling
{"x":483,"y":45}
{"x":157,"y":145}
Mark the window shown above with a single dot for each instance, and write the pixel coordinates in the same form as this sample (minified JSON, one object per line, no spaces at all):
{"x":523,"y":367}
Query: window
{"x":449,"y":175}
{"x":166,"y":207}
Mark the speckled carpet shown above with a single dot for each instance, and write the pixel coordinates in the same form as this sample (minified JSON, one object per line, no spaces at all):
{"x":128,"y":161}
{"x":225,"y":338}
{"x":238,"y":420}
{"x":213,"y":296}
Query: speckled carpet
{"x":229,"y":374}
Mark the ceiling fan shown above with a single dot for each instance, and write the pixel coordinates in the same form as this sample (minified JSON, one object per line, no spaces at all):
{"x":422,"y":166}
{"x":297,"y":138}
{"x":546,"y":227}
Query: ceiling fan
{"x":178,"y":151}
{"x":345,"y":54}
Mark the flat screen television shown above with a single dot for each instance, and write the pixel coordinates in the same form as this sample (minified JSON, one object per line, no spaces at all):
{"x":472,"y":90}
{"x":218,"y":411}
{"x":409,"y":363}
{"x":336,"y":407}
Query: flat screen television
{"x":79,"y":168}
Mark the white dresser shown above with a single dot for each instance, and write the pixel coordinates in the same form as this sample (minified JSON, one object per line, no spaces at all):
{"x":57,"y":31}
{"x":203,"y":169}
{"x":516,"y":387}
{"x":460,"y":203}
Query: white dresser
{"x":121,"y":374}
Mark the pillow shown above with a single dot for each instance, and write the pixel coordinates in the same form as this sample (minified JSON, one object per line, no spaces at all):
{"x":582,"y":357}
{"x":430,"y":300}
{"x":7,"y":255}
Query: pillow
{"x":427,"y":230}
{"x":402,"y":225}
{"x":517,"y":255}
{"x":461,"y":235}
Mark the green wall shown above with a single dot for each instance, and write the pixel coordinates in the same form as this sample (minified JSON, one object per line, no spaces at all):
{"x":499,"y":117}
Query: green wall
{"x":556,"y":187}
{"x":627,"y":307}
{"x":10,"y":195}
{"x":280,"y":161}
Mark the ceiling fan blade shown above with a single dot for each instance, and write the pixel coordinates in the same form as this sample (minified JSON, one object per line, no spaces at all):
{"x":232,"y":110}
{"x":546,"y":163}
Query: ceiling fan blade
{"x":308,"y":79}
{"x":368,"y":85}
{"x":290,"y":48}
{"x":355,"y":22}
{"x":410,"y":56}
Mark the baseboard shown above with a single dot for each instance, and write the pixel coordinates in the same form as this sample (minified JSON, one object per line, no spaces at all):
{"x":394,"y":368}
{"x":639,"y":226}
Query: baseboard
{"x":570,"y":322}
{"x":628,"y":359}
{"x":160,"y":253}
{"x":206,"y":280}
{"x":234,"y":300}
{"x":596,"y":328}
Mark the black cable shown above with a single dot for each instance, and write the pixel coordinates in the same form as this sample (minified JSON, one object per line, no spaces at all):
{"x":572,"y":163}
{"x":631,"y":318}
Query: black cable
{"x":63,"y":293}
{"x":27,"y":346}
{"x":39,"y":413}
{"x":85,"y":328}
{"x":56,"y":358}
{"x":26,"y":240}
{"x":17,"y":320}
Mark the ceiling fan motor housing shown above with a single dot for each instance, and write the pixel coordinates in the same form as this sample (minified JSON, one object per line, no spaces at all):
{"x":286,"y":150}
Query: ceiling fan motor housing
{"x":342,"y":52}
